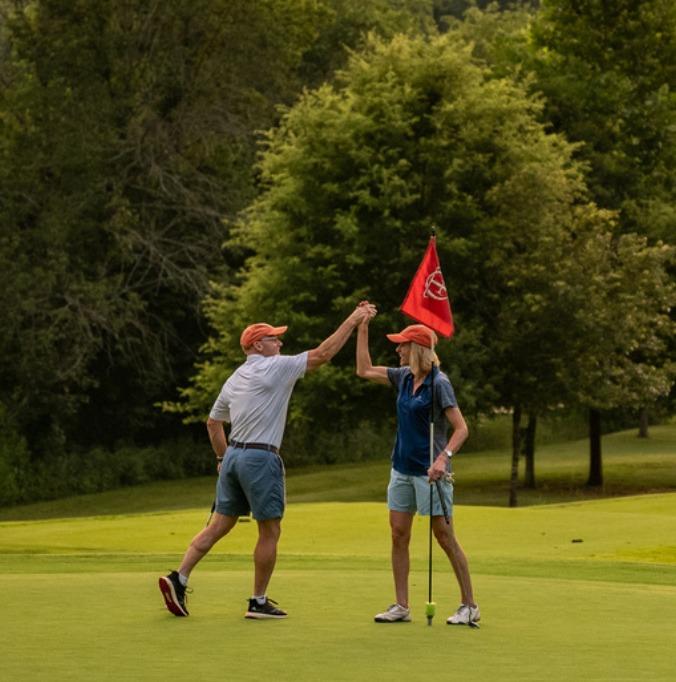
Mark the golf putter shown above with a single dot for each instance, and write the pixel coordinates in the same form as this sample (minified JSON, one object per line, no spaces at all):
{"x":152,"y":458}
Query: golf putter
{"x":211,"y":513}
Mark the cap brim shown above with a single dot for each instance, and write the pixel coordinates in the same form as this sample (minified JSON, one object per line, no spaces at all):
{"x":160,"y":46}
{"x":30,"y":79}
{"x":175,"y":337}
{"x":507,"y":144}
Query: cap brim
{"x":397,"y":338}
{"x":277,"y":331}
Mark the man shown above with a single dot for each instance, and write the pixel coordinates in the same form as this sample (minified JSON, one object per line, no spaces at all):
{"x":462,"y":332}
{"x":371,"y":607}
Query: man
{"x":254,"y":400}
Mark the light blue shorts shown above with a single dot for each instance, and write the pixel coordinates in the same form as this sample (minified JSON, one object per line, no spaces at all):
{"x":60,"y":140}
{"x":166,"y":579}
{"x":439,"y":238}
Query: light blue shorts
{"x":412,"y":493}
{"x":251,"y":481}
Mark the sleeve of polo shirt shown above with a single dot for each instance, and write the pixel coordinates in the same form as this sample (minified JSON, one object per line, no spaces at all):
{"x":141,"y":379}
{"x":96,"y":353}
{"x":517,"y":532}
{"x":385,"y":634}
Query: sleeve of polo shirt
{"x":444,"y":393}
{"x":395,"y":375}
{"x":292,"y":367}
{"x":221,"y":409}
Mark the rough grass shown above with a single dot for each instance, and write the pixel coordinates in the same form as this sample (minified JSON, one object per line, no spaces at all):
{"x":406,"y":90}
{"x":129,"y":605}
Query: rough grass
{"x":631,"y":466}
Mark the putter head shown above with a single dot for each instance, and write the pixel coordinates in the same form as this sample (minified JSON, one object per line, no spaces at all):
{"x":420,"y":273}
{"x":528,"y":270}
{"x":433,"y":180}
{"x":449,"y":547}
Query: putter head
{"x":474,"y":625}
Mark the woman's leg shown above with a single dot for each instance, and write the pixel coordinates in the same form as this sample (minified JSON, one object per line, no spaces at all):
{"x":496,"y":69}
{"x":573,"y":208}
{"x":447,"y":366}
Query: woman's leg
{"x":447,"y":541}
{"x":400,"y":524}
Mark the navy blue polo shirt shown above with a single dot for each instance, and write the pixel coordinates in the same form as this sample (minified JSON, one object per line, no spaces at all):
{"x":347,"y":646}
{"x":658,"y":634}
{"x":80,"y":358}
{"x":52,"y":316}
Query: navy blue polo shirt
{"x":411,"y":453}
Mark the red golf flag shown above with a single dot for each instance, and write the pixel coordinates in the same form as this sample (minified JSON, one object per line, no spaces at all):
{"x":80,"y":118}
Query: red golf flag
{"x":427,"y":299}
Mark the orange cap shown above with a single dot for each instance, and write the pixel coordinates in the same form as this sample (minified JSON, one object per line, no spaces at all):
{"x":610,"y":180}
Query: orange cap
{"x":417,"y":333}
{"x":255,"y":332}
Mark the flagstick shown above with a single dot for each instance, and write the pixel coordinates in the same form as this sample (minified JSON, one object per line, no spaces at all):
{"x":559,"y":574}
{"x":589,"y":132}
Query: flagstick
{"x":427,"y":302}
{"x":431,"y":606}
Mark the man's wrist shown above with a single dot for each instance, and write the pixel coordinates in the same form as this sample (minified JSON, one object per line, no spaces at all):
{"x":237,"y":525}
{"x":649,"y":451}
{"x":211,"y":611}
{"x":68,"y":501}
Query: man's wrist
{"x":448,"y":452}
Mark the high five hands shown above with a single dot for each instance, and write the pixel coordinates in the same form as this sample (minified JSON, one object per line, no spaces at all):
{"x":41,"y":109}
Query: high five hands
{"x":367,"y":312}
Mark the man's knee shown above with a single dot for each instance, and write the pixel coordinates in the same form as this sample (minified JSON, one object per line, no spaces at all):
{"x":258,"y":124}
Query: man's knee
{"x":270,"y":530}
{"x":222,"y":524}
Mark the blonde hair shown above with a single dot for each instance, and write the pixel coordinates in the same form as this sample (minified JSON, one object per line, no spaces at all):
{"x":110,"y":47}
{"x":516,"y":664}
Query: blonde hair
{"x":421,"y":359}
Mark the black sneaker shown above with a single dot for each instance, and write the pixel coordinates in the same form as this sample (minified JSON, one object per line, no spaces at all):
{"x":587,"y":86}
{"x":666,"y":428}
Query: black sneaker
{"x":174,"y":594}
{"x":262,"y":611}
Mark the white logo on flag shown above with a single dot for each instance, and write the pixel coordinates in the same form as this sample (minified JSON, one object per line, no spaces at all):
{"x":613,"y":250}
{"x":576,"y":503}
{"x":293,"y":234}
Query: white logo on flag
{"x":435,"y":287}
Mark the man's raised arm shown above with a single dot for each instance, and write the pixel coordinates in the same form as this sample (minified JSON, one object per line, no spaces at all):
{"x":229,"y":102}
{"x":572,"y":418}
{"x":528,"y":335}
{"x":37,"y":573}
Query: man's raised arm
{"x":330,"y":346}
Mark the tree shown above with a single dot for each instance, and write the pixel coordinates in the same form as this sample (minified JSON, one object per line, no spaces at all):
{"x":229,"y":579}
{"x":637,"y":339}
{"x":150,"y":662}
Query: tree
{"x":625,"y":328}
{"x":590,"y":326}
{"x":583,"y":56}
{"x":344,"y":25}
{"x":607,"y":70}
{"x":448,"y":12}
{"x":127,"y":134}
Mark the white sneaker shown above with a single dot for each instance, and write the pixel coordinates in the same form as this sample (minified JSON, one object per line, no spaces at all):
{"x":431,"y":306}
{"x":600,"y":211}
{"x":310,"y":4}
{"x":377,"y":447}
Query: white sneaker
{"x":394,"y":614}
{"x":465,"y":615}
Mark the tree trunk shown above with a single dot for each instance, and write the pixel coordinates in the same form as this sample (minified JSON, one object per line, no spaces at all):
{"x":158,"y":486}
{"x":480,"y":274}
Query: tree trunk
{"x":643,"y":423}
{"x":595,"y":465}
{"x":530,"y":450}
{"x":516,"y":451}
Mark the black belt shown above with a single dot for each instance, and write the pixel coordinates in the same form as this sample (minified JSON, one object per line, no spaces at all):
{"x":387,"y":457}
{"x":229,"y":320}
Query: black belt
{"x":254,"y":446}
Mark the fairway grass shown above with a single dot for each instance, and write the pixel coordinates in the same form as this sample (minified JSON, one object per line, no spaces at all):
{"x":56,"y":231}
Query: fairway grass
{"x":583,"y":590}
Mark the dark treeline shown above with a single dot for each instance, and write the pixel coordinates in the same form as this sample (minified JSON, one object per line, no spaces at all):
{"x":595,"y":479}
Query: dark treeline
{"x":146,"y":216}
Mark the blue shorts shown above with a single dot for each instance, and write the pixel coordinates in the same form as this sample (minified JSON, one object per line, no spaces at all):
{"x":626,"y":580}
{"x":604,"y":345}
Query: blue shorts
{"x":251,"y":481}
{"x":412,"y":493}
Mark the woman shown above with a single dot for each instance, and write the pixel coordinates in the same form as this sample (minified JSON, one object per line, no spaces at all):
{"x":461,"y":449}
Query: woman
{"x":409,"y":487}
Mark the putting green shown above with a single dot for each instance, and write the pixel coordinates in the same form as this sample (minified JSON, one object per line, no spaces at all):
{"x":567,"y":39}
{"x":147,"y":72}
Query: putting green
{"x":581,"y":590}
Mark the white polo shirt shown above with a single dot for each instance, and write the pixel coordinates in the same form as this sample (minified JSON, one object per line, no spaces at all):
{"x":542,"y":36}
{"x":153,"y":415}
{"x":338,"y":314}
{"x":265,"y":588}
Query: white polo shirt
{"x":255,"y":399}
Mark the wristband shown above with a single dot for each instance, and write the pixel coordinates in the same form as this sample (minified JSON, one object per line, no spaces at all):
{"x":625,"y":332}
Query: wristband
{"x":449,"y":453}
{"x":219,"y":459}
